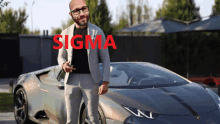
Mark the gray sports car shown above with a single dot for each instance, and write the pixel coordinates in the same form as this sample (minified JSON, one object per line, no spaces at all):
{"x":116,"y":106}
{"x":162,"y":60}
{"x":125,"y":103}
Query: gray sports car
{"x":139,"y":93}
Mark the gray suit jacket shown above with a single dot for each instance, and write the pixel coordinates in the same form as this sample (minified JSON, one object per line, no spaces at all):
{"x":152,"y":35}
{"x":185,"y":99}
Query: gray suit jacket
{"x":93,"y":30}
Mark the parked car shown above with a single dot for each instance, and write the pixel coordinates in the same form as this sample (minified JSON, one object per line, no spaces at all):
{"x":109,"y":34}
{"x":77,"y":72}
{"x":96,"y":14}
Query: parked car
{"x":139,"y":93}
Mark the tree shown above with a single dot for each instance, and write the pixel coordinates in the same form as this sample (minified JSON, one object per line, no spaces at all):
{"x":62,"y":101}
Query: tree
{"x":36,"y":31}
{"x":103,"y":18}
{"x":139,"y":11}
{"x":68,"y":23}
{"x":216,"y":8}
{"x":147,"y":11}
{"x":13,"y":21}
{"x":64,"y":25}
{"x":3,"y":4}
{"x":131,"y":9}
{"x":93,"y":4}
{"x":179,"y":9}
{"x":123,"y":22}
{"x":56,"y":31}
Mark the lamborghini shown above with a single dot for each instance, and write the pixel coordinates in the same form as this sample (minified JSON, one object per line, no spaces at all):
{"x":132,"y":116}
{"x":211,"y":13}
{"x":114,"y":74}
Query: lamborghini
{"x":139,"y":93}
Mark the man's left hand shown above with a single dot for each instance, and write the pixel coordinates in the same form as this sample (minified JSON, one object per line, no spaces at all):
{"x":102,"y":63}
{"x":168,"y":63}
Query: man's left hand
{"x":103,"y":88}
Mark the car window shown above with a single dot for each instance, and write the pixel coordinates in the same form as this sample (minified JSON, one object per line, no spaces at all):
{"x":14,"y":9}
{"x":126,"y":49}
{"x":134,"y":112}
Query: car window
{"x":132,"y":74}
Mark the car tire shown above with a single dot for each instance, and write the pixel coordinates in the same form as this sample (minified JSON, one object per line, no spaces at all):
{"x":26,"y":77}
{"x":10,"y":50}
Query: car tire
{"x":101,"y":117}
{"x":21,"y":107}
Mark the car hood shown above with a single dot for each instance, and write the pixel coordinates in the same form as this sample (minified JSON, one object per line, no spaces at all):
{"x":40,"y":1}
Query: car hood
{"x":177,"y":100}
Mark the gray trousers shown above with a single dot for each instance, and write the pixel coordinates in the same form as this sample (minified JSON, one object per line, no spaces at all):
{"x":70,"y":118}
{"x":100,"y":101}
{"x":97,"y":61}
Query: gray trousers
{"x":81,"y":86}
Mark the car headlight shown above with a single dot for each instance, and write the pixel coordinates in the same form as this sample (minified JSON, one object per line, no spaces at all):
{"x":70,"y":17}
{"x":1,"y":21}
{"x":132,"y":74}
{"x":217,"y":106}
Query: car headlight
{"x":141,"y":113}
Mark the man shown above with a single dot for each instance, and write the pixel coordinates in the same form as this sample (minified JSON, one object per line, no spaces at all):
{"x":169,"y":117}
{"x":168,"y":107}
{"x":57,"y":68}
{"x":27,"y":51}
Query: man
{"x":82,"y":68}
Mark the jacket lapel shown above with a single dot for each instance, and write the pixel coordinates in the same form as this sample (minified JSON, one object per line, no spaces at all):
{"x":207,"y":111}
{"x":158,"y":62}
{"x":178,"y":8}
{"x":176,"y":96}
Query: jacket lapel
{"x":70,"y":35}
{"x":91,"y":33}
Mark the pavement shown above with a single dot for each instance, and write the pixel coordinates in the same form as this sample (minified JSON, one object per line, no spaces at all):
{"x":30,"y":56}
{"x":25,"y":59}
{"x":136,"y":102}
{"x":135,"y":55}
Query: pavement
{"x":8,"y":117}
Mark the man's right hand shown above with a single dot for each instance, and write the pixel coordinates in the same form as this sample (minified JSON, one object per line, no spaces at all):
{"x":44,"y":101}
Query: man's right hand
{"x":66,"y":67}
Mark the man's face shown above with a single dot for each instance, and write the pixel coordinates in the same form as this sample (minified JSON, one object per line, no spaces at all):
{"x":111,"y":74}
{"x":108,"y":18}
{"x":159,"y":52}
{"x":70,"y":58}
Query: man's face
{"x":82,"y":18}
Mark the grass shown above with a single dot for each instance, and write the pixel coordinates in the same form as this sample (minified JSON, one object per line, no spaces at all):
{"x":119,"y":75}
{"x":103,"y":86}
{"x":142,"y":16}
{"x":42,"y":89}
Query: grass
{"x":6,"y":102}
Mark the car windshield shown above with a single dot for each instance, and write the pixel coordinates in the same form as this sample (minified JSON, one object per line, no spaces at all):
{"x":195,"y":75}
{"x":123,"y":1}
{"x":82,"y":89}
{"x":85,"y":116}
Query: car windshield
{"x":142,"y":74}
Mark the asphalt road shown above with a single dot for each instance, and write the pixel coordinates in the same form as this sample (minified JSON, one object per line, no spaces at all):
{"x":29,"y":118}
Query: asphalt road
{"x":8,"y":117}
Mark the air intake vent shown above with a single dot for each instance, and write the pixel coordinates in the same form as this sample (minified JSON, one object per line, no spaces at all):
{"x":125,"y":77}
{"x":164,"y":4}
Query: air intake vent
{"x":41,"y":115}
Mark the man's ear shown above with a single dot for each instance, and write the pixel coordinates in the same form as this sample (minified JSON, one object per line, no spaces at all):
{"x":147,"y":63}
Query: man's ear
{"x":70,"y":14}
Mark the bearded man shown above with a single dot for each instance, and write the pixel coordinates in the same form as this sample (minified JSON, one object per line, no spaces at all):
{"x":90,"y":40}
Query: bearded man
{"x":82,"y":68}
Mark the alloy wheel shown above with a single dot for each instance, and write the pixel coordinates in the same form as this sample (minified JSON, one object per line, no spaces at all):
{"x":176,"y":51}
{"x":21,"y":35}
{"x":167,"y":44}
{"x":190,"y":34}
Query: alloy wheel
{"x":20,"y":107}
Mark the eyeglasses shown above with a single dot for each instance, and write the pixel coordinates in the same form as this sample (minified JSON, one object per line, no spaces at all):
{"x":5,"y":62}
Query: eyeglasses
{"x":77,"y":11}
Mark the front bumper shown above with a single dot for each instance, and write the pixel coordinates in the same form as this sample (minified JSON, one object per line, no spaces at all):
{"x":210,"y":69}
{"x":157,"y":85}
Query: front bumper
{"x":212,"y":117}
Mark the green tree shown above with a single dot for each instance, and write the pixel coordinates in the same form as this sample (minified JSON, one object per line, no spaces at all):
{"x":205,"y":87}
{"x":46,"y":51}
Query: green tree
{"x":56,"y":31}
{"x":93,"y":5}
{"x":123,"y":22}
{"x":216,"y":8}
{"x":147,"y":11}
{"x":103,"y":18}
{"x":179,"y":9}
{"x":13,"y":21}
{"x":68,"y":23}
{"x":139,"y":11}
{"x":3,"y":4}
{"x":36,"y":32}
{"x":64,"y":25}
{"x":131,"y":9}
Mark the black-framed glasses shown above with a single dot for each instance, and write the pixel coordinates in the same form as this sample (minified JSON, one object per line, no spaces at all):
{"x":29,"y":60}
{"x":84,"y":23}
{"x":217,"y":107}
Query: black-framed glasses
{"x":77,"y":11}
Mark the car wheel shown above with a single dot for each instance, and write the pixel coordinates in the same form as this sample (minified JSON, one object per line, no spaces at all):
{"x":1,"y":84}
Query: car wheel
{"x":21,"y":107}
{"x":84,"y":117}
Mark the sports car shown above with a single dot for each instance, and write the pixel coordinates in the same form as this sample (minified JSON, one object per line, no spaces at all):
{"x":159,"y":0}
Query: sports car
{"x":139,"y":93}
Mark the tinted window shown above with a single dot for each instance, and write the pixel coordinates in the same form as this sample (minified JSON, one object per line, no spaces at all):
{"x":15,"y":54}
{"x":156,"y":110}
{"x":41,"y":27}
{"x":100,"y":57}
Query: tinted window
{"x":142,"y":74}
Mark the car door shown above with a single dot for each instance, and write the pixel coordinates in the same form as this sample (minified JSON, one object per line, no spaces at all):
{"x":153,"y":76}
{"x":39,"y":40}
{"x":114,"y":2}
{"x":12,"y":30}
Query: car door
{"x":54,"y":103}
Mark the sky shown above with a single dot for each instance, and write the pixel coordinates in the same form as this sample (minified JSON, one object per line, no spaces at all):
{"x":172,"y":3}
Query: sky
{"x":50,"y":13}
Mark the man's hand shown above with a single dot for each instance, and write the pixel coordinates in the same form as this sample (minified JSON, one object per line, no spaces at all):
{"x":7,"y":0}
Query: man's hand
{"x":103,"y":88}
{"x":66,"y":67}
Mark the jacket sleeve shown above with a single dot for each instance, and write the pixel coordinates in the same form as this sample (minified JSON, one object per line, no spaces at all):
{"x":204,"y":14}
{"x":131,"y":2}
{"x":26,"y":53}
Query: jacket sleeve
{"x":62,"y":54}
{"x":104,"y":56}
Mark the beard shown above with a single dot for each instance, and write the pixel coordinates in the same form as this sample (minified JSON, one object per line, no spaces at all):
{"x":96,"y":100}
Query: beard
{"x":82,"y":22}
